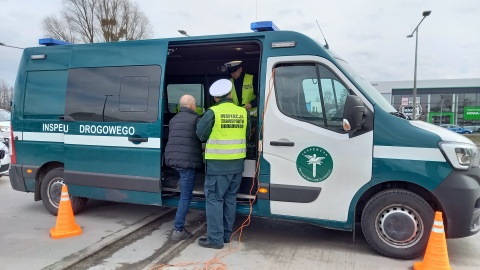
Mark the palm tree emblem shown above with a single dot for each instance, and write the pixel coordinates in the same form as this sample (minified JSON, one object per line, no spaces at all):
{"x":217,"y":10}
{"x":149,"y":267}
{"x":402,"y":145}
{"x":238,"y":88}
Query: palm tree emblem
{"x":314,"y":161}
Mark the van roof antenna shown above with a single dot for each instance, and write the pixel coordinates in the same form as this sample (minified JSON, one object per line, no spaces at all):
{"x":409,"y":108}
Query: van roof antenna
{"x":326,"y":43}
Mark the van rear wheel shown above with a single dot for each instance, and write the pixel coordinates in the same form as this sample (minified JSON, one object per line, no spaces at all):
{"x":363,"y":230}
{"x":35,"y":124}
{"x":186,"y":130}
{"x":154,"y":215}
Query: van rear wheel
{"x":397,"y":223}
{"x":51,"y":191}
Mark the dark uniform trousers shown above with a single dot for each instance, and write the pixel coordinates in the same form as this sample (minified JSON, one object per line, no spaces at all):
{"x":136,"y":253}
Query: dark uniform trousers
{"x":221,"y":194}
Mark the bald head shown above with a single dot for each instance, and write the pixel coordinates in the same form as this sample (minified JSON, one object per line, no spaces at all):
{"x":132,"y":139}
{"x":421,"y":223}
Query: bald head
{"x":188,"y":101}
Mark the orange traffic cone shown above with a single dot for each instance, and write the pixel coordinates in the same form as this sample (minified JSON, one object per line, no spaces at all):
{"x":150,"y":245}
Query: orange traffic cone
{"x":65,"y":226}
{"x":436,"y":256}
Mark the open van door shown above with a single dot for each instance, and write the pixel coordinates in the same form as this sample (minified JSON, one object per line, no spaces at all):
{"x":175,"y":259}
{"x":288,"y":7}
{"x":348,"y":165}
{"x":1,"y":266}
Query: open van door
{"x":113,"y":141}
{"x":316,"y":167}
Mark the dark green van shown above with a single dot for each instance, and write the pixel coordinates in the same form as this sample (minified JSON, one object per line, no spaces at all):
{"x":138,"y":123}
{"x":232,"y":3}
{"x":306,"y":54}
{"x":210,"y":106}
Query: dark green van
{"x":326,"y":147}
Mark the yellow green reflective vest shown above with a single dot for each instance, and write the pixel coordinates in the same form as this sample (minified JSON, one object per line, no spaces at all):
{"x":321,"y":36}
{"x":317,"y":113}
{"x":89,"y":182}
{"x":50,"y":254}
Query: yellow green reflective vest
{"x":247,"y":92}
{"x":228,"y":138}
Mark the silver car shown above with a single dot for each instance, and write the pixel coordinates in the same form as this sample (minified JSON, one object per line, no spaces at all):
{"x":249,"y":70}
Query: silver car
{"x":4,"y":158}
{"x":4,"y":125}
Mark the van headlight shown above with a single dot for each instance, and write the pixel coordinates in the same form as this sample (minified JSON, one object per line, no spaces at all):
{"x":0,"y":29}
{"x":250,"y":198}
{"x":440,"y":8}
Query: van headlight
{"x":5,"y":128}
{"x":462,"y":156}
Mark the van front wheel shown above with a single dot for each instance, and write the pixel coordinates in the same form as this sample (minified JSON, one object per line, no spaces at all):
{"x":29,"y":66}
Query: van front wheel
{"x":51,"y":191}
{"x":397,"y":223}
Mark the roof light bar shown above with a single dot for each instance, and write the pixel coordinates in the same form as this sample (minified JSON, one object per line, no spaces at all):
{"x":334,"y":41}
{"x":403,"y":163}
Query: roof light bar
{"x":263,"y":26}
{"x":52,"y":42}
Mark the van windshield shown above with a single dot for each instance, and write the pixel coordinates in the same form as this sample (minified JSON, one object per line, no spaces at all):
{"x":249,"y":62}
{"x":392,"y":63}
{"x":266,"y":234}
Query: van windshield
{"x":369,"y":90}
{"x":4,"y":115}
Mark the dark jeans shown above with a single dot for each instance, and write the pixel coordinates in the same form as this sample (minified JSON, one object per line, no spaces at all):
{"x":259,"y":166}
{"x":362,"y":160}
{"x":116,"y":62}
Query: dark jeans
{"x":221,"y":194}
{"x":187,"y":181}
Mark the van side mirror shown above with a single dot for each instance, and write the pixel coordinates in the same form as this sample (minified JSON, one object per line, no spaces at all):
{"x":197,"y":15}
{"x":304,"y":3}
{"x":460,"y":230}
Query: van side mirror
{"x":353,"y":114}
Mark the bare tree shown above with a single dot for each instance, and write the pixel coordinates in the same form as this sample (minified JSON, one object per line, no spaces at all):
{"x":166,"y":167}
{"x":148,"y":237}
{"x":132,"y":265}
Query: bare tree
{"x":56,"y":28}
{"x":80,"y":15}
{"x":98,"y":20}
{"x":6,"y":94}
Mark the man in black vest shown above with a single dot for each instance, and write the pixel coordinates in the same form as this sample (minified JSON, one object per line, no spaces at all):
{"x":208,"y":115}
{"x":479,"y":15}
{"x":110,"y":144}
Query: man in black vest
{"x":184,"y":153}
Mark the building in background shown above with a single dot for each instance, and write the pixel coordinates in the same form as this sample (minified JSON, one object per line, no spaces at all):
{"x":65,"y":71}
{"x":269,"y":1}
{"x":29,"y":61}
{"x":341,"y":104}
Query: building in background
{"x":455,"y":101}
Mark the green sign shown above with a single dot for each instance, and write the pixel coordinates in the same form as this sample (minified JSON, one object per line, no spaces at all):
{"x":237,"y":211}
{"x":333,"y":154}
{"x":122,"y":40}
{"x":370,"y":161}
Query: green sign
{"x":314,"y":164}
{"x":471,"y":113}
{"x":446,"y":117}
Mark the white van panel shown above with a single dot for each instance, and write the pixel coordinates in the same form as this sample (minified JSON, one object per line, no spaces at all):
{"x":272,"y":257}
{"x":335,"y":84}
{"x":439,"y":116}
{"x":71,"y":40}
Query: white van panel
{"x":340,"y":187}
{"x":352,"y":157}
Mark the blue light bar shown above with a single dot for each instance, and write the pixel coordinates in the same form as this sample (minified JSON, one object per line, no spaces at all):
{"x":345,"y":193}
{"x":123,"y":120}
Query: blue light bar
{"x":52,"y":42}
{"x":263,"y":26}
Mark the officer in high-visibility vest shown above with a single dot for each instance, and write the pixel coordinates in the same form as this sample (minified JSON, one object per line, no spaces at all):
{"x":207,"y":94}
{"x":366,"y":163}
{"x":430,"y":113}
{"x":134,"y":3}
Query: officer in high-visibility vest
{"x":243,"y":87}
{"x":225,"y":128}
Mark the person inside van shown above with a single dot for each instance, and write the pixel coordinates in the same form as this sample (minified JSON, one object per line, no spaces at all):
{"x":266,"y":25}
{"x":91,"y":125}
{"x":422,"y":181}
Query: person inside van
{"x":243,"y":87}
{"x":184,"y":153}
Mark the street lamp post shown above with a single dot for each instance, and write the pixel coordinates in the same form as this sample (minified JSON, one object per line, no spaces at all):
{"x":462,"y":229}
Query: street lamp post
{"x":441,"y":108}
{"x":105,"y":103}
{"x":414,"y":107}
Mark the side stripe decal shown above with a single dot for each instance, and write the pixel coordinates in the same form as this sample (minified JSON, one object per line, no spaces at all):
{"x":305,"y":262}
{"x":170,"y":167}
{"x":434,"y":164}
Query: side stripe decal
{"x":408,"y":153}
{"x":118,"y":141}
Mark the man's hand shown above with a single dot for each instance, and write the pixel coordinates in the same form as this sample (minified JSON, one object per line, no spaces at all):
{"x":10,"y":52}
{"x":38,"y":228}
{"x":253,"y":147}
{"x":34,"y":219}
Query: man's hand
{"x":248,"y":106}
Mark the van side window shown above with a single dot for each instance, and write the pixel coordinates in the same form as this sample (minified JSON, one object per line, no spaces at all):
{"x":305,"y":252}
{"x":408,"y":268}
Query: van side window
{"x":134,"y":94}
{"x":175,"y":91}
{"x":45,"y":94}
{"x":312,"y":93}
{"x":113,"y":94}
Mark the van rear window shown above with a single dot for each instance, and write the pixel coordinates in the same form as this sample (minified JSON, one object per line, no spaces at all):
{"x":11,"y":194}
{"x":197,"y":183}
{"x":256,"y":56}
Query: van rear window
{"x":45,"y":94}
{"x":113,"y":94}
{"x":176,"y":91}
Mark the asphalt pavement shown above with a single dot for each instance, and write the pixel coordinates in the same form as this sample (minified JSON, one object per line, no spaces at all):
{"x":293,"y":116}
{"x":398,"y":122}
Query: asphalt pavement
{"x":128,"y":236}
{"x":25,"y":241}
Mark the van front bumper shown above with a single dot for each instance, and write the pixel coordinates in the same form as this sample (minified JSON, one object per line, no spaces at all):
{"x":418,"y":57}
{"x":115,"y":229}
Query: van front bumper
{"x":459,"y":195}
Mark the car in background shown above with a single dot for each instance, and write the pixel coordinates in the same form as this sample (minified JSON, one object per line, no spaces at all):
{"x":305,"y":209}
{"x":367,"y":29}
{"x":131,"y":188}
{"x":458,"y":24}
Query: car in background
{"x":5,"y":125}
{"x":475,"y":128}
{"x":4,"y":158}
{"x":457,"y":129}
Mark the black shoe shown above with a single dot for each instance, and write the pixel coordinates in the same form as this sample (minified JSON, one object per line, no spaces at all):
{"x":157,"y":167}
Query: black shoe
{"x":181,"y":235}
{"x":203,"y":242}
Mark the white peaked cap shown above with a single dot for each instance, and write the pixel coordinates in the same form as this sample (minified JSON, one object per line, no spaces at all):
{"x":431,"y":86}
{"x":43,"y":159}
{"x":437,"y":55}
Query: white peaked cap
{"x":233,"y":63}
{"x":220,"y":88}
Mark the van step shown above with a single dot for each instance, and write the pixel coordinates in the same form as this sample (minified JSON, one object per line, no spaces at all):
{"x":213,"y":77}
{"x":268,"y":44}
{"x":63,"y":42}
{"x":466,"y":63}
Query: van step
{"x":201,"y":193}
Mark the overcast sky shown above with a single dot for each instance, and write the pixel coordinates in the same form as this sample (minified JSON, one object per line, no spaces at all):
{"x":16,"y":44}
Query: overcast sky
{"x":369,"y":34}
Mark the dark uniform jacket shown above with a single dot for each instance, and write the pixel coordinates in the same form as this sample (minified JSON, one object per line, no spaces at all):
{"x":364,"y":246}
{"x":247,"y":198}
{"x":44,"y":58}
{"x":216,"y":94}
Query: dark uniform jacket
{"x":184,"y":149}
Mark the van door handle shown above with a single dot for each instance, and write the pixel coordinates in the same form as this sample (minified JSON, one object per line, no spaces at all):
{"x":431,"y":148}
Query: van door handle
{"x":137,"y":140}
{"x":277,"y":143}
{"x":66,"y":118}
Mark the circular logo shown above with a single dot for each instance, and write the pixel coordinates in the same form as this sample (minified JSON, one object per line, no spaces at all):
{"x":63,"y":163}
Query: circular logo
{"x":314,"y":164}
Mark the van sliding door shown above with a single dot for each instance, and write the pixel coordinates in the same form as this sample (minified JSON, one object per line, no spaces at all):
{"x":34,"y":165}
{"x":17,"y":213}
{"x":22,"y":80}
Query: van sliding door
{"x":112,"y":146}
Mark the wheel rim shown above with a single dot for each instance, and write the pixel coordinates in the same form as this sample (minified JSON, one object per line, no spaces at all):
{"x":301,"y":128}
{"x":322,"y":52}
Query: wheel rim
{"x":399,"y":226}
{"x":55,"y":191}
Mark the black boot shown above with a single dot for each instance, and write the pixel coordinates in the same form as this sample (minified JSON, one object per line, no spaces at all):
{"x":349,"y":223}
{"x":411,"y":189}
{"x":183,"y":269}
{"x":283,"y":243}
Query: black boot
{"x":203,"y":242}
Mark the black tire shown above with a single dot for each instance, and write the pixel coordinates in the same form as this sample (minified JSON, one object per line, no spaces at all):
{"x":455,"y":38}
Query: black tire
{"x":397,"y":223}
{"x":51,"y":190}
